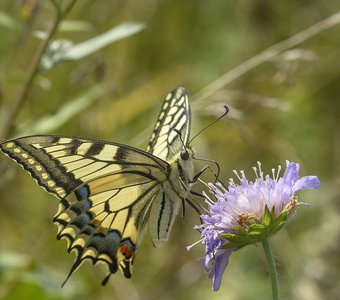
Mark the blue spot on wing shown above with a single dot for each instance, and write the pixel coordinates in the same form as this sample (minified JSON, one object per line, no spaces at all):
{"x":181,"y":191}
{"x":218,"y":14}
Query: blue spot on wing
{"x":108,"y":244}
{"x":81,"y":221}
{"x":81,"y":207}
{"x":82,"y":192}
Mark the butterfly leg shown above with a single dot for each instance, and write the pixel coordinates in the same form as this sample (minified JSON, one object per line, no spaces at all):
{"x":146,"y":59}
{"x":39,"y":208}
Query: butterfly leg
{"x":191,"y":201}
{"x":207,"y":167}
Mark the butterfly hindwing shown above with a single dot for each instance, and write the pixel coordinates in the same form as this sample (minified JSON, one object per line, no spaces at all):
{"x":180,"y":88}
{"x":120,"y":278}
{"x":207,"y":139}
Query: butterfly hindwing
{"x":162,"y":215}
{"x":103,"y":223}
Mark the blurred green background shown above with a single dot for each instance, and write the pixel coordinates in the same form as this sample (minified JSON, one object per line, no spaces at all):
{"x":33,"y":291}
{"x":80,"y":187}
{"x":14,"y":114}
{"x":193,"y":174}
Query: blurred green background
{"x":284,"y":105}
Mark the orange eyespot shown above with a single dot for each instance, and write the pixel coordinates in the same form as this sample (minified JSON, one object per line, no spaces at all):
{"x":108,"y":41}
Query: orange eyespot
{"x":126,"y":251}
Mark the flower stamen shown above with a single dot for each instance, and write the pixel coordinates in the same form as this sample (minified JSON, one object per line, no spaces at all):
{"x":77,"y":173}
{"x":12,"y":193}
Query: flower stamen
{"x":246,"y":219}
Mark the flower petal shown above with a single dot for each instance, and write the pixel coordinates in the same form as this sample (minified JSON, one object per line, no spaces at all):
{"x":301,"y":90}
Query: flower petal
{"x":221,"y":262}
{"x":307,"y":182}
{"x":291,"y":174}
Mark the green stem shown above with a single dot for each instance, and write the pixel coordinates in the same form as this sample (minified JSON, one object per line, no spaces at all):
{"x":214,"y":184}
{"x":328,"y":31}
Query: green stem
{"x":272,"y":268}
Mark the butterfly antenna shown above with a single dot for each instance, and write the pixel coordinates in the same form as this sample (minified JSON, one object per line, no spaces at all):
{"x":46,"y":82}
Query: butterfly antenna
{"x":206,"y":127}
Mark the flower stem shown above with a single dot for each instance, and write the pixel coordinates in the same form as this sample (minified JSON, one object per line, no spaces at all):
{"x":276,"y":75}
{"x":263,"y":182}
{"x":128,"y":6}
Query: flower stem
{"x":272,"y":268}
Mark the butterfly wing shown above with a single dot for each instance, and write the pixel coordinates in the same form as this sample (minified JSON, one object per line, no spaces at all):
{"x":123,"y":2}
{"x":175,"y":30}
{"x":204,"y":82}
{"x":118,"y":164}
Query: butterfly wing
{"x":106,"y":191}
{"x":175,"y":115}
{"x":170,"y":136}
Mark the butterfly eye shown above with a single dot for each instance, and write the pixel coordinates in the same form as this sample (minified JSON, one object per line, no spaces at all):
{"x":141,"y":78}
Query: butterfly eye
{"x":184,"y":155}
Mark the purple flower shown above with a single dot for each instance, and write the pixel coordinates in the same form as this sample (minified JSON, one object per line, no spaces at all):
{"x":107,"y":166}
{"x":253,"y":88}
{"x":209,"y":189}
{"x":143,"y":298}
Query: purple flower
{"x":248,"y":213}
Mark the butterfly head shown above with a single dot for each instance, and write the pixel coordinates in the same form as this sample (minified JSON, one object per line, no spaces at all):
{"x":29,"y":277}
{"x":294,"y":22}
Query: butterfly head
{"x":185,"y":165}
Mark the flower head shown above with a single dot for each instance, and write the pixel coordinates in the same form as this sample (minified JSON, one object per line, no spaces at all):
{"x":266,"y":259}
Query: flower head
{"x":248,"y":212}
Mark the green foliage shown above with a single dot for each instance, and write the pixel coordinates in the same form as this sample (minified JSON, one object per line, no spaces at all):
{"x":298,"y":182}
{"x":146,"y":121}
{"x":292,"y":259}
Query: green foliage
{"x":63,"y":50}
{"x":66,"y":112}
{"x":7,"y":21}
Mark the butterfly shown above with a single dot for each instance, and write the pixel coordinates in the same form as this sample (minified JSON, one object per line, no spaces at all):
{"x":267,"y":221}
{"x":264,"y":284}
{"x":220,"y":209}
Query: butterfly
{"x":110,"y":193}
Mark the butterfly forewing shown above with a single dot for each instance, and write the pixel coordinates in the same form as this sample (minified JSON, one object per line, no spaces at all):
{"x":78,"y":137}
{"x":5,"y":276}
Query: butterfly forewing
{"x":165,"y":142}
{"x":60,"y":164}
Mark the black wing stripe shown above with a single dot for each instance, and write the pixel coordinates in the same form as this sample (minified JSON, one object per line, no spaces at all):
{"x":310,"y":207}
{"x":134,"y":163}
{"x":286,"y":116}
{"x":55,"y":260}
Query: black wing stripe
{"x":94,"y":149}
{"x":171,"y":211}
{"x":160,"y":216}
